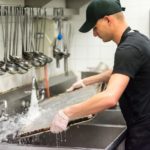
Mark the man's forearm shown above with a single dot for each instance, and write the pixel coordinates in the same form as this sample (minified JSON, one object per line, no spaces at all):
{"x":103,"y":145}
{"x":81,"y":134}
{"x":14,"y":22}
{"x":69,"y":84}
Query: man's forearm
{"x":102,"y":77}
{"x":97,"y":103}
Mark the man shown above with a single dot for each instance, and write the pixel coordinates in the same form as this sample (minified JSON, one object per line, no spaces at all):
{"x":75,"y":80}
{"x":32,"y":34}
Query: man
{"x":128,"y":82}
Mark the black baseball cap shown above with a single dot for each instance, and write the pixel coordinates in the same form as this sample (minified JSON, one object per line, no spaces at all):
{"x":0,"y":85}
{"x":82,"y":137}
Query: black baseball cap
{"x":98,"y":9}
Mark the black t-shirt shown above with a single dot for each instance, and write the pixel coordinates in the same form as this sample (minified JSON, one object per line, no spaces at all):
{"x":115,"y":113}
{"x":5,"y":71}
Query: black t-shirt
{"x":132,"y":58}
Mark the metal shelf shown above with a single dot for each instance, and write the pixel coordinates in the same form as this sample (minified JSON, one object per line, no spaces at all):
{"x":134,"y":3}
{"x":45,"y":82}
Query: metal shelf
{"x":12,"y":2}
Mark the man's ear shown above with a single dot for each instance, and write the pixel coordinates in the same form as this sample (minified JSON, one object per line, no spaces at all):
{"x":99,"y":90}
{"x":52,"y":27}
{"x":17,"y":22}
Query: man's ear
{"x":108,"y":19}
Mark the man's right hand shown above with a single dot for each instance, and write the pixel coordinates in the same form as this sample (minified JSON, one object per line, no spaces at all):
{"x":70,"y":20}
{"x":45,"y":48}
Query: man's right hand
{"x":76,"y":85}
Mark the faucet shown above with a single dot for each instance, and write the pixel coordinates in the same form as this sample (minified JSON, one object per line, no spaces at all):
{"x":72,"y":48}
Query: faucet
{"x":34,"y":84}
{"x":40,"y":93}
{"x":3,"y":110}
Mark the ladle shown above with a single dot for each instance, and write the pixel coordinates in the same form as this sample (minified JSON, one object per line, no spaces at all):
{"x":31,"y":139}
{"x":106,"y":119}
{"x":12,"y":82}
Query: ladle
{"x":24,"y":29}
{"x":9,"y":66}
{"x":29,"y":28}
{"x":36,"y":53}
{"x":2,"y":71}
{"x":37,"y":60}
{"x":22,"y":68}
{"x":48,"y":59}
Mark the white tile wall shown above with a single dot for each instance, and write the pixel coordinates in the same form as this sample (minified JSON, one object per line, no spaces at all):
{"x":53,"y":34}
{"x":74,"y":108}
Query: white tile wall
{"x":86,"y":50}
{"x":84,"y":45}
{"x":137,"y":14}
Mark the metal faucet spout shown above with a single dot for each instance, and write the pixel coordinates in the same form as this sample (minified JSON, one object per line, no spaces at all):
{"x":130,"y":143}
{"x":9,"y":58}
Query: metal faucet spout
{"x":40,"y":93}
{"x":34,"y":84}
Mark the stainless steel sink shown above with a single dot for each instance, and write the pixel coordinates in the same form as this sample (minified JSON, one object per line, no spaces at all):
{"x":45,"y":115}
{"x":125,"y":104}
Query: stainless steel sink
{"x":113,"y":117}
{"x":89,"y":136}
{"x":105,"y":131}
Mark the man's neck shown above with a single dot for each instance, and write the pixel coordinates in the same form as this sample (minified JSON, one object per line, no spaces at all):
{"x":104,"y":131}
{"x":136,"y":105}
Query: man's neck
{"x":119,"y":32}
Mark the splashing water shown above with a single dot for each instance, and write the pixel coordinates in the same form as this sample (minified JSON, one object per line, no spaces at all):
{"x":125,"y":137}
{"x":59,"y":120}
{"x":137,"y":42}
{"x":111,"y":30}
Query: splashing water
{"x":10,"y":127}
{"x":34,"y":109}
{"x":15,"y":123}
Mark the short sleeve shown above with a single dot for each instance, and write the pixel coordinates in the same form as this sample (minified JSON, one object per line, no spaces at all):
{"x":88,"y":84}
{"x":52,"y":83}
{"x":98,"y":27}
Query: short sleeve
{"x":127,"y":61}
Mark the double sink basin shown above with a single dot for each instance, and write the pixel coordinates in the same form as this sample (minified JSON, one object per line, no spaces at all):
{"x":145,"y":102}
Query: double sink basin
{"x":105,"y":131}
